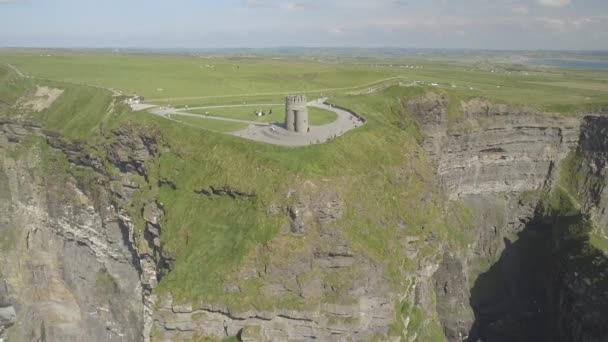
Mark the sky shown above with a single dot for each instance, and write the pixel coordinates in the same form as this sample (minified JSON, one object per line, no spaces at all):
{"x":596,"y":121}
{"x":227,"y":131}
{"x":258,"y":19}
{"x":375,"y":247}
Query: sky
{"x":469,"y":24}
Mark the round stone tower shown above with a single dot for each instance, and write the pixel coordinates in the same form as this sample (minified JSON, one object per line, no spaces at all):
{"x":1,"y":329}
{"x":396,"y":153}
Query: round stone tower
{"x":296,"y":114}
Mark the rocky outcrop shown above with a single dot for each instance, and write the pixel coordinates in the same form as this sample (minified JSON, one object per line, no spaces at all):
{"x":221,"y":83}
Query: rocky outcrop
{"x":8,"y":315}
{"x":131,"y":149}
{"x":130,"y":153}
{"x":494,"y":148}
{"x":68,"y":273}
{"x":331,"y":322}
{"x":487,"y":159}
{"x":590,"y":170}
{"x":225,"y":191}
{"x":338,"y":293}
{"x":307,"y":209}
{"x":89,"y":280}
{"x":498,"y":160}
{"x":451,"y":290}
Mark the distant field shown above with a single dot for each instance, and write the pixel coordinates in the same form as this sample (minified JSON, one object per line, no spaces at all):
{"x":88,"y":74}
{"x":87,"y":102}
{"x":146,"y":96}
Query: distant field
{"x":317,"y":116}
{"x":599,"y":86}
{"x":175,"y":77}
{"x":192,"y":80}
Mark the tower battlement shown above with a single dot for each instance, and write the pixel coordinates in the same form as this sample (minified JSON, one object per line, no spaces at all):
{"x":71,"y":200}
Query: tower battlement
{"x":295,"y":99}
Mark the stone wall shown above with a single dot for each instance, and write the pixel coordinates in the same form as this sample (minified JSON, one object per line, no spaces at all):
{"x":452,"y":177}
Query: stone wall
{"x":296,"y":113}
{"x":495,"y":148}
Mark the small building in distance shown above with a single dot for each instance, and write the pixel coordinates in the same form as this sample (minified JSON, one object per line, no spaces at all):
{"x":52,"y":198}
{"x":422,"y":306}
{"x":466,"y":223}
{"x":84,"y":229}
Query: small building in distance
{"x":296,"y":114}
{"x":135,"y":100}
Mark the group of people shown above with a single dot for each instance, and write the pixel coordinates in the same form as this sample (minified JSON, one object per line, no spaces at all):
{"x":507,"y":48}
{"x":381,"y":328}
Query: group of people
{"x":262,"y":113}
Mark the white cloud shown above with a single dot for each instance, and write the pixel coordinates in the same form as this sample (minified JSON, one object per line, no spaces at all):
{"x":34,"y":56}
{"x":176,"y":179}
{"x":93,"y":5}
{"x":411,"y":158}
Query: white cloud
{"x":521,"y":10}
{"x":554,"y":3}
{"x":323,"y":4}
{"x":281,"y":4}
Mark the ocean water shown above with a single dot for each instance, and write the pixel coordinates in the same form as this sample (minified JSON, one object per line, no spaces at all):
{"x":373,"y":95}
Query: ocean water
{"x":571,"y":63}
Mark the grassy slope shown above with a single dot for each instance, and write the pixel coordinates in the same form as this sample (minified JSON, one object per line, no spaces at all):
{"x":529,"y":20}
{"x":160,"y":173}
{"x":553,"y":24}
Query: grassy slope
{"x":88,"y":107}
{"x":11,"y":86}
{"x":78,"y":113}
{"x":211,"y":236}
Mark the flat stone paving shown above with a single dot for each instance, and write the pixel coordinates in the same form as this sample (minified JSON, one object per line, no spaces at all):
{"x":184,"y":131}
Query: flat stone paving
{"x":274,"y":133}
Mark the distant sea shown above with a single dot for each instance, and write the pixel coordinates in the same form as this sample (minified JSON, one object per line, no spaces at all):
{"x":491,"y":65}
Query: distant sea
{"x":570,"y":63}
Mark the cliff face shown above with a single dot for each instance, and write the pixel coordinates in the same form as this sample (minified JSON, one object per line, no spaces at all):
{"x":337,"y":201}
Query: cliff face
{"x":67,"y":271}
{"x":77,"y":270}
{"x":522,"y":272}
{"x":494,"y":148}
{"x":591,"y":170}
{"x":73,"y":267}
{"x":344,"y":293}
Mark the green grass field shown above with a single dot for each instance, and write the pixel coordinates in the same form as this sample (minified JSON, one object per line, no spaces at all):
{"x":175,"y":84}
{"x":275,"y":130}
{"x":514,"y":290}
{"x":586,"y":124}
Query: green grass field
{"x":317,"y":116}
{"x":181,"y":80}
{"x":210,"y":124}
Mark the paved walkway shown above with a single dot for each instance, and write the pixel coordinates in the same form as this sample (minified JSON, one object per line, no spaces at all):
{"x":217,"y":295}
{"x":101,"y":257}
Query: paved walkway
{"x":236,"y":106}
{"x":277,"y":135}
{"x":282,"y":93}
{"x":274,"y":133}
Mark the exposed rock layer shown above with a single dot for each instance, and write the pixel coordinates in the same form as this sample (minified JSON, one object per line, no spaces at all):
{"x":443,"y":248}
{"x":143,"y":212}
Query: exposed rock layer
{"x":491,"y":160}
{"x":496,"y":148}
{"x":67,"y":269}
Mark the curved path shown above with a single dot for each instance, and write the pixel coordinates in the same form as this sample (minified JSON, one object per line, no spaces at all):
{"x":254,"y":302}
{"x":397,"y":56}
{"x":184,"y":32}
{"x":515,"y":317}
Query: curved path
{"x":17,"y":71}
{"x":283,"y":93}
{"x":259,"y":131}
{"x":273,"y":133}
{"x":234,"y":106}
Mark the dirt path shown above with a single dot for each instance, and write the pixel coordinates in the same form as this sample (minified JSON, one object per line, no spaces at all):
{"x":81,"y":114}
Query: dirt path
{"x":17,"y":71}
{"x":236,"y":106}
{"x":276,"y":93}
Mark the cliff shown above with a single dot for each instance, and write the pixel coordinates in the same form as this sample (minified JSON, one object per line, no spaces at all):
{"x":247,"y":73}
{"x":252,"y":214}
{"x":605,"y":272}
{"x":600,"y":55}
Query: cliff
{"x":68,"y":270}
{"x":487,"y":226}
{"x":531,"y":271}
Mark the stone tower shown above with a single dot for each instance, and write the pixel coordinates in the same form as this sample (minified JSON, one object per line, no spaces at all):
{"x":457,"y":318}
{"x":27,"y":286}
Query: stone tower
{"x":296,"y":114}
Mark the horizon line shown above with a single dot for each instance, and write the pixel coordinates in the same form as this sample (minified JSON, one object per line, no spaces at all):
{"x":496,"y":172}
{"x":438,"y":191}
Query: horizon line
{"x":295,"y":47}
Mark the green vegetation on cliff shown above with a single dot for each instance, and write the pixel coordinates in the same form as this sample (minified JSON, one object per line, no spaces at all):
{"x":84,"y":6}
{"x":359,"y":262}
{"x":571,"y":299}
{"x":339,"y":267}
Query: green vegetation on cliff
{"x":378,"y":171}
{"x":12,"y":87}
{"x":224,"y":231}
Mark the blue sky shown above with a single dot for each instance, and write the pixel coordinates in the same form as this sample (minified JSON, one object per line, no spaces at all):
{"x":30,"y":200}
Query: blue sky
{"x":498,"y":24}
